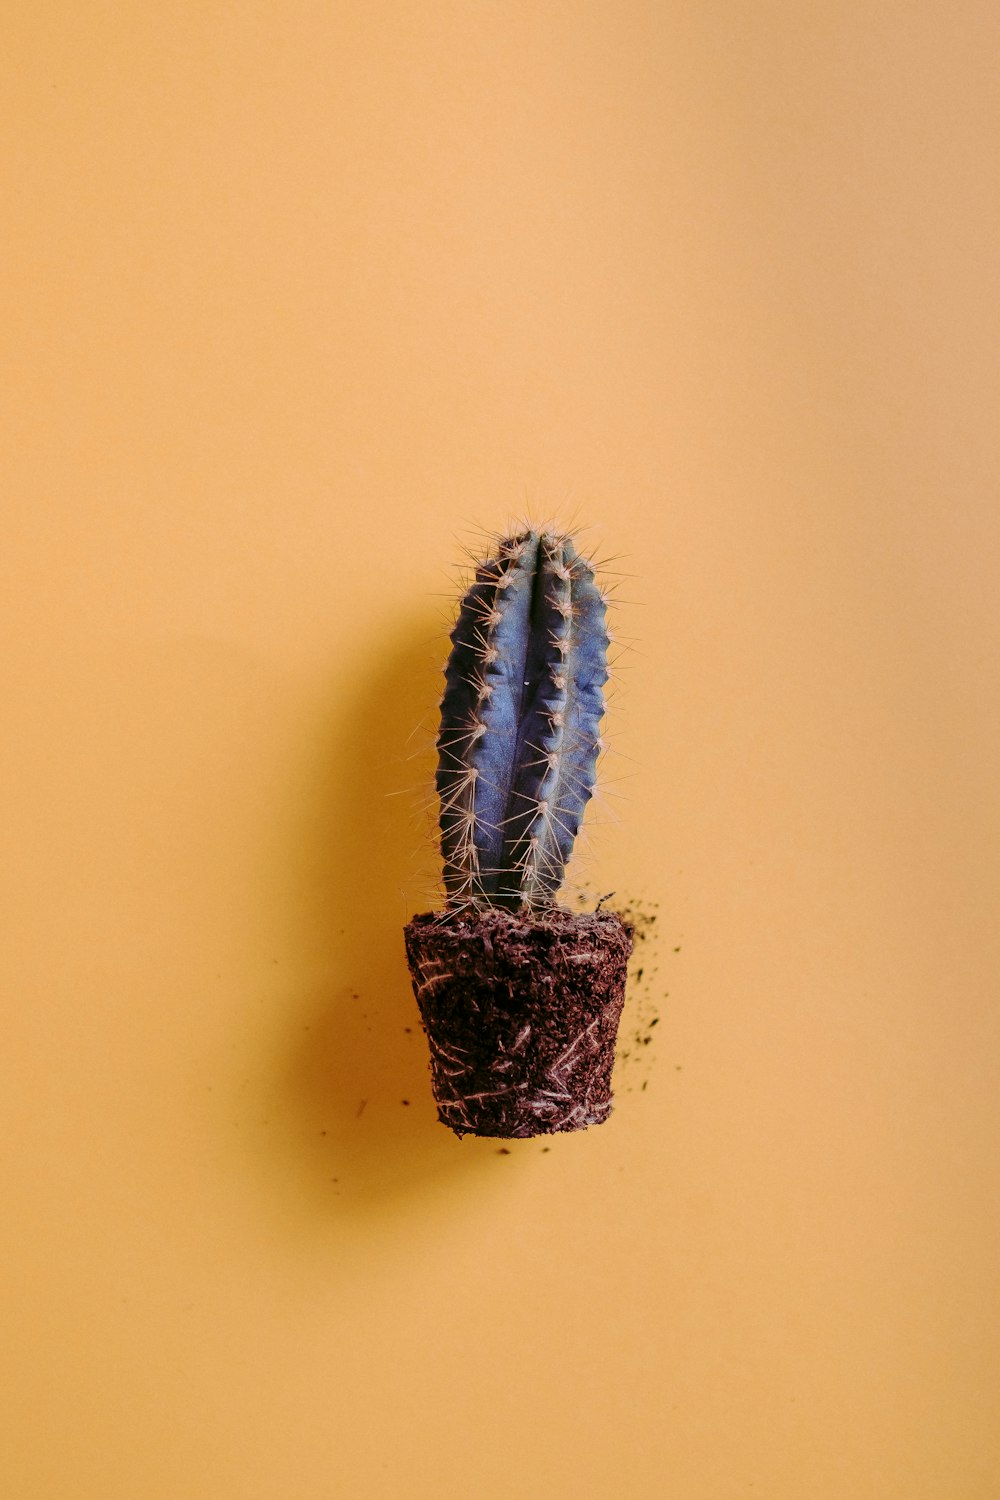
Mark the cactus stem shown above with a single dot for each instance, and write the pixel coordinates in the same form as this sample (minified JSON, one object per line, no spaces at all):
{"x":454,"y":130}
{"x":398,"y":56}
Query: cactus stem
{"x":527,"y":666}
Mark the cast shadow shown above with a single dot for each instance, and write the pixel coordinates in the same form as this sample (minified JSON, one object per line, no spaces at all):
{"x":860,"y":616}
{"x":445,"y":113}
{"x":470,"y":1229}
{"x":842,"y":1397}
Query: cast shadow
{"x":359,"y":1125}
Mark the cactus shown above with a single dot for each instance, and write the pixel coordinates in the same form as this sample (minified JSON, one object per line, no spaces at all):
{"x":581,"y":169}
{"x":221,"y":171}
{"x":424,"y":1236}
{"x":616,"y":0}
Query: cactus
{"x":520,"y":720}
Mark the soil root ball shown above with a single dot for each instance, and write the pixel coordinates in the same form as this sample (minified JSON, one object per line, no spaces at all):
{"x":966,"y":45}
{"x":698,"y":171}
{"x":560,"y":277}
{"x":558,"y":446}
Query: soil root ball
{"x":521,"y":1013}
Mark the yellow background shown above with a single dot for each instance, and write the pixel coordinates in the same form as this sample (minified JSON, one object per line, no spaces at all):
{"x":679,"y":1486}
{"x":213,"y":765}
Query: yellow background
{"x":295,"y":295}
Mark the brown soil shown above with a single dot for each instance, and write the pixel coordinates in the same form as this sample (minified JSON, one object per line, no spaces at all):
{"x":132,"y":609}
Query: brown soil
{"x":521,"y":1013}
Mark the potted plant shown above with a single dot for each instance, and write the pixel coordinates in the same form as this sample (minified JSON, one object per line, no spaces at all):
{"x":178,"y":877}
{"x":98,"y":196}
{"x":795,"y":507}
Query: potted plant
{"x":520,"y":997}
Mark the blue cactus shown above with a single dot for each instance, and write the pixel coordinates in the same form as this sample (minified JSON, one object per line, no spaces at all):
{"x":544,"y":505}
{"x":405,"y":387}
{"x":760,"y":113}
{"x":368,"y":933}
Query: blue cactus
{"x":520,"y":720}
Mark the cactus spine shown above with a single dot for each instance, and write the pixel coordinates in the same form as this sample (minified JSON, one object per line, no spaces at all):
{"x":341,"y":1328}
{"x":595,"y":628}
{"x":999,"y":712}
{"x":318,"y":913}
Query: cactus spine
{"x":520,"y":720}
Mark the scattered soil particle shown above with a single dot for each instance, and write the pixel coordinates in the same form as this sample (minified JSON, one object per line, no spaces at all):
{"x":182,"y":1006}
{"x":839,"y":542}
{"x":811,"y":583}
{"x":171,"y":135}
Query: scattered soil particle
{"x":641,"y":1007}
